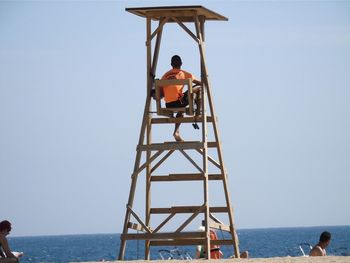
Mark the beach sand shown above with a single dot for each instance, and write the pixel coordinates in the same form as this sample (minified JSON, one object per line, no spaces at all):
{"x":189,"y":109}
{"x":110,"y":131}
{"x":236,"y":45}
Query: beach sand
{"x":328,"y":259}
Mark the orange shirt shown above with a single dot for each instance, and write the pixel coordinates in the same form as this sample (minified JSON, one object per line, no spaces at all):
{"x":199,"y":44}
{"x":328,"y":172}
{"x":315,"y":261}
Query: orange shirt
{"x":174,"y":92}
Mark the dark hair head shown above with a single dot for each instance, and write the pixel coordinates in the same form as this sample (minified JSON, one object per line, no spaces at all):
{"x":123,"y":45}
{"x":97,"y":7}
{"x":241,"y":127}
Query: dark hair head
{"x":325,"y":236}
{"x":5,"y":225}
{"x":176,"y":61}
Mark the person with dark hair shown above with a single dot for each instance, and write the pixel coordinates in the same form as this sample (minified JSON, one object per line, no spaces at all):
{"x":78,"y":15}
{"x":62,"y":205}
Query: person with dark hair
{"x":173,"y":94}
{"x":6,"y":256}
{"x":320,"y":248}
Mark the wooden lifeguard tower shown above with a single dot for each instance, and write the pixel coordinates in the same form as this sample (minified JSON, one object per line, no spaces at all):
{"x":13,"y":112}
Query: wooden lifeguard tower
{"x":151,"y":155}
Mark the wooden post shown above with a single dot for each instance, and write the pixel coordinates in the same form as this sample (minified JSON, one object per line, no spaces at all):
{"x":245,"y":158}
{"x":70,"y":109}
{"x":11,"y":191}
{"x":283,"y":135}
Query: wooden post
{"x":150,"y":79}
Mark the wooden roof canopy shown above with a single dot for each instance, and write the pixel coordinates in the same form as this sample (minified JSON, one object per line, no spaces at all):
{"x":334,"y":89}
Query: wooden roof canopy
{"x":182,"y":13}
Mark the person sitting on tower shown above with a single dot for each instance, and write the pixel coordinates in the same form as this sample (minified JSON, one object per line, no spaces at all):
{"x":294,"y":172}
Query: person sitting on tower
{"x":173,"y":94}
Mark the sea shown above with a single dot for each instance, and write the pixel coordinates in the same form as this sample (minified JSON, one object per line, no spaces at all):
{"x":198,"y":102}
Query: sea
{"x":261,"y":243}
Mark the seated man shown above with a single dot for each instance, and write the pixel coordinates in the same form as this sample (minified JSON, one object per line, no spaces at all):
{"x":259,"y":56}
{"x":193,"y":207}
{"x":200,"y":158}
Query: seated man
{"x":320,"y":248}
{"x":173,"y":94}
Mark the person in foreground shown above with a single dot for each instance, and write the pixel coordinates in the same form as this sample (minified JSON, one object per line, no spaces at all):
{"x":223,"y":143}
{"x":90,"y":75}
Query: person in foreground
{"x":320,"y":248}
{"x":6,"y":256}
{"x":173,"y":94}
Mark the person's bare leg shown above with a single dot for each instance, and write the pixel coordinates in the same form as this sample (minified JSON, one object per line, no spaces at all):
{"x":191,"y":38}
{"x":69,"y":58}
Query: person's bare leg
{"x":176,"y":133}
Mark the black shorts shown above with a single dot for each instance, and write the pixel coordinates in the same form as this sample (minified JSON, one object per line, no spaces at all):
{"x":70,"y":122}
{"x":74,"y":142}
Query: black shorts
{"x":183,"y":102}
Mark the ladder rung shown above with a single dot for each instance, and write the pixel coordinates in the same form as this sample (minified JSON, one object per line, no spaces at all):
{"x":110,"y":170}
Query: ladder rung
{"x":184,"y":177}
{"x":187,"y":145}
{"x":186,"y":209}
{"x":180,"y":120}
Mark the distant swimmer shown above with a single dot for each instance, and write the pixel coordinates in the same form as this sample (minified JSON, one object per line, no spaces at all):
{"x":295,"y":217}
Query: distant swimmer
{"x":320,"y":249}
{"x":6,"y":256}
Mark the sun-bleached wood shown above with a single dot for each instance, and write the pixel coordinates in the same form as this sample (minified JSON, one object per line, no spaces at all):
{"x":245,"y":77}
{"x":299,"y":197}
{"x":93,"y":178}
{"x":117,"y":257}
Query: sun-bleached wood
{"x":152,"y":154}
{"x":183,"y":13}
{"x":198,"y":119}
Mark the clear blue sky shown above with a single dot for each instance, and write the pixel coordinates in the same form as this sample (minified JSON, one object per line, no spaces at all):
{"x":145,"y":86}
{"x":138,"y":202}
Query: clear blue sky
{"x":72,"y":91}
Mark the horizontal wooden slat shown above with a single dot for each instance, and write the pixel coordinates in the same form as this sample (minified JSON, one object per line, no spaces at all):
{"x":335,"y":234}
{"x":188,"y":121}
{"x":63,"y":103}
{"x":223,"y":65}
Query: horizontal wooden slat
{"x":190,"y":242}
{"x":175,"y":146}
{"x":215,"y":177}
{"x":171,"y":146}
{"x":177,"y":177}
{"x":181,"y":242}
{"x":186,"y":209}
{"x":160,"y":236}
{"x":180,"y":120}
{"x":184,"y":177}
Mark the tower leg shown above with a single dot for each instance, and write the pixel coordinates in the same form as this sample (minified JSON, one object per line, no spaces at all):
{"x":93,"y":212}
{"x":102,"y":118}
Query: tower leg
{"x":199,"y":23}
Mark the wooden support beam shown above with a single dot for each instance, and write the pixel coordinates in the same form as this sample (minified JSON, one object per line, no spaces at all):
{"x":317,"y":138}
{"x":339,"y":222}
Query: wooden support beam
{"x":160,"y":236}
{"x":147,"y":162}
{"x":179,"y":120}
{"x":212,"y":177}
{"x":161,"y":161}
{"x":190,"y":219}
{"x":190,"y":242}
{"x":215,"y":219}
{"x":159,"y":28}
{"x":190,"y":145}
{"x":178,"y":242}
{"x":191,"y":161}
{"x":186,"y":209}
{"x":177,"y":177}
{"x":139,"y":220}
{"x":186,"y":29}
{"x":184,"y":177}
{"x":210,"y":159}
{"x":164,"y":222}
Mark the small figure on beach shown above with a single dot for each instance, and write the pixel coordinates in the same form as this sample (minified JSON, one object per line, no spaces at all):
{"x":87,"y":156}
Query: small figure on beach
{"x":173,"y":94}
{"x":320,"y":248}
{"x":215,"y":252}
{"x":6,"y":256}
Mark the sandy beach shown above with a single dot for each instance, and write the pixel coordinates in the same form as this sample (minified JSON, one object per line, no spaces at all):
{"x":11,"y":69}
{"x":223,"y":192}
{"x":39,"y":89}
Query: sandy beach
{"x":328,"y":259}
